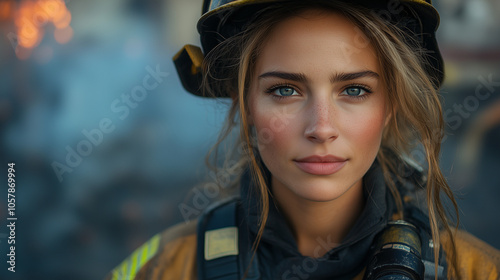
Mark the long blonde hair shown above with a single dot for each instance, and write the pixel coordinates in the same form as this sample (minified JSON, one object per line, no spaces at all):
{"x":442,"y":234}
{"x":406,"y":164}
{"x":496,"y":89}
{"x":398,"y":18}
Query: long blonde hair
{"x":413,"y":100}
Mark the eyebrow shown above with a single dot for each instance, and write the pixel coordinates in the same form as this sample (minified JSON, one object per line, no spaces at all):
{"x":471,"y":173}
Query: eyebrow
{"x":297,"y":77}
{"x":340,"y":77}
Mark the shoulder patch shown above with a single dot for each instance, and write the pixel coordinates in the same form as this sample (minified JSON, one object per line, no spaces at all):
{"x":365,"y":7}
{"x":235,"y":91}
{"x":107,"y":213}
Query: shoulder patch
{"x":221,"y":242}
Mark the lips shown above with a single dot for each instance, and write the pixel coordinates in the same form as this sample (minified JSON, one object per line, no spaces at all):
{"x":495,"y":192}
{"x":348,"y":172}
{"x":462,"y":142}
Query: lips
{"x":320,"y":165}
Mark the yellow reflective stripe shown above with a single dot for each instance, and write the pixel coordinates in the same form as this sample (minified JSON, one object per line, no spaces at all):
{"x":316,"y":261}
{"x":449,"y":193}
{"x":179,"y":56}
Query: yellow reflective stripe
{"x":115,"y":275}
{"x":143,"y":257}
{"x":155,"y":242}
{"x":120,"y":272}
{"x":129,"y":268}
{"x":133,"y":263}
{"x":123,"y":270}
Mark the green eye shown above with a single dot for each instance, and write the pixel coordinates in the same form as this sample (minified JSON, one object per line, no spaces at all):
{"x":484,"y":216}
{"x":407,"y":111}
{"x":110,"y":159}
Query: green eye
{"x":281,"y":91}
{"x":285,"y":91}
{"x":355,"y":91}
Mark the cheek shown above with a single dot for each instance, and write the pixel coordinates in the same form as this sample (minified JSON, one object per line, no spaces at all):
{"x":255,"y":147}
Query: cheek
{"x":275,"y":130}
{"x":366,"y":131}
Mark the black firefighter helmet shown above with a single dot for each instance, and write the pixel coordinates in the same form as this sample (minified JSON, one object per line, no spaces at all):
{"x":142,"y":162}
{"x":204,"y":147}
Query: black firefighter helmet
{"x":222,"y":19}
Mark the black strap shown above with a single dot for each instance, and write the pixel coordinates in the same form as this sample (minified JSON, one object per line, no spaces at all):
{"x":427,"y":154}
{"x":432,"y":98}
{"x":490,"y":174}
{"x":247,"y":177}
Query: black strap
{"x":219,"y":216}
{"x":419,"y":219}
{"x":245,"y":256}
{"x":225,"y":214}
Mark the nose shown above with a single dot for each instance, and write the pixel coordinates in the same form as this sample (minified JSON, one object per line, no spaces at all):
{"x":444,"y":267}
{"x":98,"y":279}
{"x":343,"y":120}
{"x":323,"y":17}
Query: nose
{"x":322,"y":122}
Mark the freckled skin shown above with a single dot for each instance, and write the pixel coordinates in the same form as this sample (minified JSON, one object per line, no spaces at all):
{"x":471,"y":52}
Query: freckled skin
{"x":319,"y":119}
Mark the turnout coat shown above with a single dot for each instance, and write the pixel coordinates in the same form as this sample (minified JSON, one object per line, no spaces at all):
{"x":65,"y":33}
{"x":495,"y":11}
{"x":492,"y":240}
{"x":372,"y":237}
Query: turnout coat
{"x":175,"y":253}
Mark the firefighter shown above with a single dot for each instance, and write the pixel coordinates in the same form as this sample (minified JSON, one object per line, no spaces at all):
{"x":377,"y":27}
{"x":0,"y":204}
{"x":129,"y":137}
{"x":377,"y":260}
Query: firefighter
{"x":329,"y":97}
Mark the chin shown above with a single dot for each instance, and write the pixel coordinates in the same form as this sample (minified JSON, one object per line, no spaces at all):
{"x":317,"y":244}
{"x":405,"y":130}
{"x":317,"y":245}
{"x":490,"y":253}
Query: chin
{"x":322,"y":192}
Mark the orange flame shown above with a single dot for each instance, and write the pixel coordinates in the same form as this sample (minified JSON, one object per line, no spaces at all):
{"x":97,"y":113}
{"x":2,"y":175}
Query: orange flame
{"x":32,"y":16}
{"x":6,"y":9}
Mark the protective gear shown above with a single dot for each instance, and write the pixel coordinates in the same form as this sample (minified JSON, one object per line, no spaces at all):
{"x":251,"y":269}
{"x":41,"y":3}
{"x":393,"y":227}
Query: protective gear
{"x":224,"y":251}
{"x":225,"y":230}
{"x":175,"y":253}
{"x":225,"y":18}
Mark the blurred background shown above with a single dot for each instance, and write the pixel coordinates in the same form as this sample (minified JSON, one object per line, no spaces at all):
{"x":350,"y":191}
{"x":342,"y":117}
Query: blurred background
{"x":100,"y":172}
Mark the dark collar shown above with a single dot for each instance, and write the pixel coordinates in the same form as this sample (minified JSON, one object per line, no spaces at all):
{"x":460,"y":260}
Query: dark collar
{"x":350,"y":255}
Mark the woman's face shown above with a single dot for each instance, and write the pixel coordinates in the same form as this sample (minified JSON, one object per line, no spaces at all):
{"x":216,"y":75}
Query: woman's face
{"x":318,"y":105}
